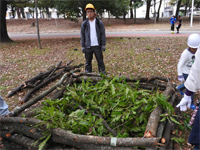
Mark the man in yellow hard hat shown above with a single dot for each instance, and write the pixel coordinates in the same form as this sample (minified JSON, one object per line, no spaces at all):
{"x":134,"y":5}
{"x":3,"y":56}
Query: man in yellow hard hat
{"x":93,"y":39}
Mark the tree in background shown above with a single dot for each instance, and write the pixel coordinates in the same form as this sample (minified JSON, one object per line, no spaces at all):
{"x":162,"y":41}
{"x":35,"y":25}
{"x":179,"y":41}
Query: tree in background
{"x":3,"y":28}
{"x":148,"y":9}
{"x":76,"y":8}
{"x":136,"y":4}
{"x":158,"y":13}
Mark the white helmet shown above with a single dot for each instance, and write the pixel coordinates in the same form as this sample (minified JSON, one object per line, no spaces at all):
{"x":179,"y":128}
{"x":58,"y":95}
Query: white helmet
{"x":193,"y":40}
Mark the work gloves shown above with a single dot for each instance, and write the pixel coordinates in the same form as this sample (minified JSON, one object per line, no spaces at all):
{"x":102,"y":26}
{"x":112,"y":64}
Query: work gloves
{"x":181,"y":78}
{"x":103,"y":48}
{"x":184,"y":103}
{"x":83,"y":49}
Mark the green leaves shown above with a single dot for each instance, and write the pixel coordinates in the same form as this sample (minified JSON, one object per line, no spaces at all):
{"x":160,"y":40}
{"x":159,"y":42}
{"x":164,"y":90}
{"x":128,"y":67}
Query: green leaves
{"x":123,"y":108}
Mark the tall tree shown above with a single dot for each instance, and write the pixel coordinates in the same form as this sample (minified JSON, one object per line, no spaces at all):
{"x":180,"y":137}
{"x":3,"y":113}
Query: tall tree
{"x":131,"y":8}
{"x":148,"y":9}
{"x":178,"y":8}
{"x":158,"y":14}
{"x":3,"y":34}
{"x":136,"y":4}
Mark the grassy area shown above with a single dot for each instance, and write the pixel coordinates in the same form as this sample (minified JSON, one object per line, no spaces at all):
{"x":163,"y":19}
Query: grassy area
{"x":134,"y":56}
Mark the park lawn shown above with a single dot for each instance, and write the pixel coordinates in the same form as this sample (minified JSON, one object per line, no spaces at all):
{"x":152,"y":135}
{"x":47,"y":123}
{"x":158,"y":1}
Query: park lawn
{"x":135,"y":56}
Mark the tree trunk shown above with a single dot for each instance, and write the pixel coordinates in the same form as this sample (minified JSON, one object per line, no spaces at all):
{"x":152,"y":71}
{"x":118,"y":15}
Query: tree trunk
{"x":178,"y":7}
{"x":131,"y":9}
{"x":13,"y":11}
{"x":3,"y":33}
{"x":48,"y":14}
{"x":135,"y":11}
{"x":186,"y":6}
{"x":148,"y":9}
{"x":157,"y":19}
{"x":18,"y":13}
{"x":22,"y":11}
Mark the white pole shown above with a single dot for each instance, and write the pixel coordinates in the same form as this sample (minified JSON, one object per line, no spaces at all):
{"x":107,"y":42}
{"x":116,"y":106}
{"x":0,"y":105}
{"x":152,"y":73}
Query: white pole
{"x":191,"y":19}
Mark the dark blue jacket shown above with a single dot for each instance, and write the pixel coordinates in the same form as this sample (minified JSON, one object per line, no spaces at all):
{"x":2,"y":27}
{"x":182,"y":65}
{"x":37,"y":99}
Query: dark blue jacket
{"x":85,"y":33}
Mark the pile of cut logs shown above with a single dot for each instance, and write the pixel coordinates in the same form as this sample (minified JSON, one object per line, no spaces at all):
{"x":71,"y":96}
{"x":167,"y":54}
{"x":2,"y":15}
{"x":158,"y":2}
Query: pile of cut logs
{"x":20,"y":133}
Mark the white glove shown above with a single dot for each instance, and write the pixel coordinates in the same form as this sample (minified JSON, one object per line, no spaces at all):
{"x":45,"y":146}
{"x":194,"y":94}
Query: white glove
{"x":185,"y":101}
{"x":181,"y":78}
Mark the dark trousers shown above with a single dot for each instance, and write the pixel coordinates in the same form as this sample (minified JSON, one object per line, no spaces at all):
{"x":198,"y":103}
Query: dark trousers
{"x":194,"y":137}
{"x":172,"y":27}
{"x":96,"y":50}
{"x":178,"y":27}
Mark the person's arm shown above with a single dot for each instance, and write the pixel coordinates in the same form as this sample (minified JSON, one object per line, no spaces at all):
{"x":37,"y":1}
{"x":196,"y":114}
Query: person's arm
{"x":103,"y":34}
{"x":181,"y":64}
{"x":82,"y":35}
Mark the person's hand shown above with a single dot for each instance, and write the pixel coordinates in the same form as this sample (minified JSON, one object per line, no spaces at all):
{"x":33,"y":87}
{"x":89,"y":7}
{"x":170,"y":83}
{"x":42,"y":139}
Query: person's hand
{"x":181,"y":78}
{"x":184,"y":103}
{"x":83,"y":49}
{"x":103,"y":48}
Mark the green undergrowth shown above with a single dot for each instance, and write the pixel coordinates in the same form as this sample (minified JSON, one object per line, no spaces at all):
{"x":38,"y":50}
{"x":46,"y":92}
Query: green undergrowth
{"x":123,"y":108}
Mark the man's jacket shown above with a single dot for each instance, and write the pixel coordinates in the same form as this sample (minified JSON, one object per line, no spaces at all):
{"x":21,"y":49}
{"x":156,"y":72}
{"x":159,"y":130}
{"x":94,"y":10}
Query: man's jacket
{"x":85,"y":33}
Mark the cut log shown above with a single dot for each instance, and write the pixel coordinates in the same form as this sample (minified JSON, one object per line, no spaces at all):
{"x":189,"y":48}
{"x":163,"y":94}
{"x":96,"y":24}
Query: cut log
{"x":21,"y":140}
{"x":26,"y":105}
{"x":69,"y":138}
{"x":154,"y":118}
{"x":28,"y":95}
{"x":28,"y":131}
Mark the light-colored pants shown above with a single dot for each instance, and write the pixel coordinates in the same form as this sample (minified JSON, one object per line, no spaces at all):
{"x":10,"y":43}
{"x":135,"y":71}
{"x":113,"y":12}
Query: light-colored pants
{"x":3,"y":107}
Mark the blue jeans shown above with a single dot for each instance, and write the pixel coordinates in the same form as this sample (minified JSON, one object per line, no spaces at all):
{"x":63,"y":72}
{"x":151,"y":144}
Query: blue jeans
{"x":182,"y":86}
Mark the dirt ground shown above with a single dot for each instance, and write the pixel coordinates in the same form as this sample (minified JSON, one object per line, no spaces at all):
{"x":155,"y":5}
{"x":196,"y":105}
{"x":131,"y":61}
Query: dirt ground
{"x":22,"y":26}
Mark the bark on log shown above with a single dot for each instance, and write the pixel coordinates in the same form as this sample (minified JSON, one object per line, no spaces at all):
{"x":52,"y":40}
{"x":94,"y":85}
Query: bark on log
{"x":15,"y":112}
{"x":28,"y":95}
{"x":53,"y":71}
{"x":26,"y":130}
{"x":21,"y":140}
{"x":68,"y":138}
{"x":161,"y":126}
{"x":154,"y":118}
{"x":23,"y":85}
{"x":59,"y":92}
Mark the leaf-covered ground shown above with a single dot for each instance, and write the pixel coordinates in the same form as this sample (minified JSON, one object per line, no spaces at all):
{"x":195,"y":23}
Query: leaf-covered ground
{"x":135,"y":56}
{"x":144,"y":56}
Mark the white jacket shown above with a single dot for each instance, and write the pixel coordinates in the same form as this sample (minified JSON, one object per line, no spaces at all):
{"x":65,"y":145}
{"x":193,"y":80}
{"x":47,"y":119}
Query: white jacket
{"x":185,"y":62}
{"x":193,"y":81}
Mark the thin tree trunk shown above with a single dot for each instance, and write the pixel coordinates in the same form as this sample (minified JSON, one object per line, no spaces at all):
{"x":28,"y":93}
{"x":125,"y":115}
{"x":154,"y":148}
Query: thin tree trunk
{"x":18,"y":13}
{"x":38,"y":34}
{"x":178,"y":7}
{"x":131,"y":9}
{"x":158,"y":16}
{"x":22,"y":12}
{"x":148,"y":9}
{"x":186,"y":6}
{"x":135,"y":11}
{"x":13,"y":11}
{"x":48,"y":14}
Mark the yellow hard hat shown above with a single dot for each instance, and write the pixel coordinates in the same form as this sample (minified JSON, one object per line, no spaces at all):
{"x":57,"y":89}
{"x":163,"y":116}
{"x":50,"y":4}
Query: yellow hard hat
{"x":89,"y":6}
